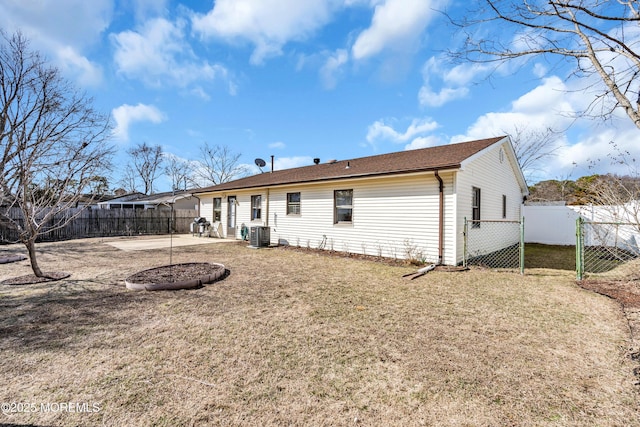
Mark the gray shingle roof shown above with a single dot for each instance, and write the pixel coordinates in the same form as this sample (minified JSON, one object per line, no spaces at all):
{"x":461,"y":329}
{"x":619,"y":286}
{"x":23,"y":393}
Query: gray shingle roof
{"x":426,"y":159}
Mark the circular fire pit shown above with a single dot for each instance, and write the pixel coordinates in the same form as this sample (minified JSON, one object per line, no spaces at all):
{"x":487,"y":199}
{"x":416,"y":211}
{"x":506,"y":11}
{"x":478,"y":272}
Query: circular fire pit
{"x":175,"y":276}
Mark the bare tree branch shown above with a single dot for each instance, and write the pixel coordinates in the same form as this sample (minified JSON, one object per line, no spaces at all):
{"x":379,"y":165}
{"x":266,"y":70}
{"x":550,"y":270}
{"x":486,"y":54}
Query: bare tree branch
{"x":533,"y":147}
{"x":218,"y":164}
{"x":53,"y":144}
{"x":145,"y":164}
{"x":179,"y":171}
{"x":600,"y":37}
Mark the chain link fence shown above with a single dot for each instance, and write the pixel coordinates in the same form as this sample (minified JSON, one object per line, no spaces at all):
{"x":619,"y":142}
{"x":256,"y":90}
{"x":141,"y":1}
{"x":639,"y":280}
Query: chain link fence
{"x":494,"y":244}
{"x":607,"y":250}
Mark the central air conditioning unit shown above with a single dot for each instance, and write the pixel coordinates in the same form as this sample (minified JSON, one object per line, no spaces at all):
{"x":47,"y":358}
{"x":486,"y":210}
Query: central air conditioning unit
{"x":260,"y":237}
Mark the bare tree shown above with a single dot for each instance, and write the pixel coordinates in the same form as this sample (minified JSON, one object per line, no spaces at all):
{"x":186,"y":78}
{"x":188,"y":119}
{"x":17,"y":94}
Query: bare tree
{"x":619,"y":194}
{"x":533,"y":147}
{"x":129,"y":179}
{"x":179,"y":171}
{"x":98,"y":185}
{"x":145,"y":165}
{"x":598,"y":37}
{"x":52,"y":141}
{"x":218,"y":164}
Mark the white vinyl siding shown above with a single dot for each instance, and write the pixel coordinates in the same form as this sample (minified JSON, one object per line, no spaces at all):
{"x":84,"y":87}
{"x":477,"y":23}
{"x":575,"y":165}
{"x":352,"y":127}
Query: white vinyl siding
{"x":206,"y":207}
{"x":390,"y":215}
{"x":496,"y":179}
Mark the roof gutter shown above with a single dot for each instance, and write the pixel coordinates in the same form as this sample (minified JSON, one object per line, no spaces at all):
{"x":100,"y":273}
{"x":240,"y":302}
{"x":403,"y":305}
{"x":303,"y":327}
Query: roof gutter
{"x":440,"y":217}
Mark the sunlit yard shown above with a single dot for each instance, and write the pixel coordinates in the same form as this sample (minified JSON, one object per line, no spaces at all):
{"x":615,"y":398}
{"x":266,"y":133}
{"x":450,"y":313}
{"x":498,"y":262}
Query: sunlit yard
{"x":292,"y":338}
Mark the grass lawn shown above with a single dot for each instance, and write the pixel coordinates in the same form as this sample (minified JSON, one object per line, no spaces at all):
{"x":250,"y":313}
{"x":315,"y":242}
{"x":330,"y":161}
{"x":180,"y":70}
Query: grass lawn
{"x":556,"y":257}
{"x":292,"y":338}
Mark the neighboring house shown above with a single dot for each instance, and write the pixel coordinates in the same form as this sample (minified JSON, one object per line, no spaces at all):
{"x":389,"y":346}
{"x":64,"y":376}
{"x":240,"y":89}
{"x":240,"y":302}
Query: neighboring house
{"x":379,"y":205}
{"x":179,"y":200}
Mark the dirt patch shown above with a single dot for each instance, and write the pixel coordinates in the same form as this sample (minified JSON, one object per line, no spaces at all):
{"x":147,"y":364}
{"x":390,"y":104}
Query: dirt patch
{"x":32,"y":279}
{"x":175,"y":277}
{"x":626,"y":293}
{"x":176,"y":273}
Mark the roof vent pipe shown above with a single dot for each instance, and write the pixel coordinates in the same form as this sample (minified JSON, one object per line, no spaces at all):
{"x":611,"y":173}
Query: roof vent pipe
{"x":272,"y":163}
{"x":316,"y":160}
{"x":348,"y":165}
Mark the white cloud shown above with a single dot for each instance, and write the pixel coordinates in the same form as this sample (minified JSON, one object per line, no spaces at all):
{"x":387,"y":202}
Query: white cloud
{"x":281,"y":163}
{"x":454,"y":81}
{"x":144,"y":9}
{"x":461,"y":74}
{"x":379,"y":131}
{"x":71,"y":62}
{"x":333,"y":67}
{"x":158,"y":54}
{"x":550,"y":95}
{"x":615,"y":149}
{"x":424,"y":142}
{"x":77,"y":23}
{"x":125,"y":115}
{"x":428,"y":97}
{"x":61,"y":30}
{"x":584,"y":147}
{"x":267,"y":24}
{"x":396,"y":25}
{"x":279,"y":145}
{"x":546,"y":106}
{"x":539,"y":70}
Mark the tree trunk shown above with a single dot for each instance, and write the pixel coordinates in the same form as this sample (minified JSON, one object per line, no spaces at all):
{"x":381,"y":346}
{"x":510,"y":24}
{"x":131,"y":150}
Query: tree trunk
{"x":31,"y":248}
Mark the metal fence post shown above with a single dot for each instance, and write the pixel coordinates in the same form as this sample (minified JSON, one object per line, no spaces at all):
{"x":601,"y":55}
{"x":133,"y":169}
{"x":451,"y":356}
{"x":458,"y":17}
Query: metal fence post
{"x":522,"y":245}
{"x":464,"y":245}
{"x":579,"y":248}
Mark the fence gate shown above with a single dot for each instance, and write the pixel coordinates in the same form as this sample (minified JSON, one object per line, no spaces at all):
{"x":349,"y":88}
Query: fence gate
{"x":494,"y":243}
{"x":606,"y":250}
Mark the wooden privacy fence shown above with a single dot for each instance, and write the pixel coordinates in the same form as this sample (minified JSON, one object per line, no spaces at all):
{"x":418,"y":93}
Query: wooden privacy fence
{"x":104,"y":223}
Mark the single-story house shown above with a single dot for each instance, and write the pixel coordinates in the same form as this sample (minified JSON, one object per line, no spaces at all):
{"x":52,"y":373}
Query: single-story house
{"x":384,"y":205}
{"x":179,"y":200}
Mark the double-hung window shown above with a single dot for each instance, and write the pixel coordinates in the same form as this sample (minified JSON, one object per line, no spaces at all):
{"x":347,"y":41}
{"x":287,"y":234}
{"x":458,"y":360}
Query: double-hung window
{"x":343,"y":206}
{"x":256,"y":207}
{"x":504,"y":206}
{"x":217,"y":209}
{"x":293,"y":203}
{"x":475,"y":207}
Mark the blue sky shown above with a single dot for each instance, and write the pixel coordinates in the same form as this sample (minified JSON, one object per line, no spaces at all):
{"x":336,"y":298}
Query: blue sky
{"x":333,"y":79}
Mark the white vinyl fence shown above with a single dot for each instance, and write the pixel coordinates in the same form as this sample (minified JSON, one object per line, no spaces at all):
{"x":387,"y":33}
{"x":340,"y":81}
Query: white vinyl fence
{"x":550,"y":225}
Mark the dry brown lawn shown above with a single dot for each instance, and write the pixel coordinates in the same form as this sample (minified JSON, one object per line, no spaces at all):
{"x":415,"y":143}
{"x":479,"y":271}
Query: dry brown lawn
{"x":292,"y":338}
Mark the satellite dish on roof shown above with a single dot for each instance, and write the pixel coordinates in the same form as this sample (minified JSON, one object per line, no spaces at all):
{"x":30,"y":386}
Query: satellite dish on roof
{"x":260,"y":163}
